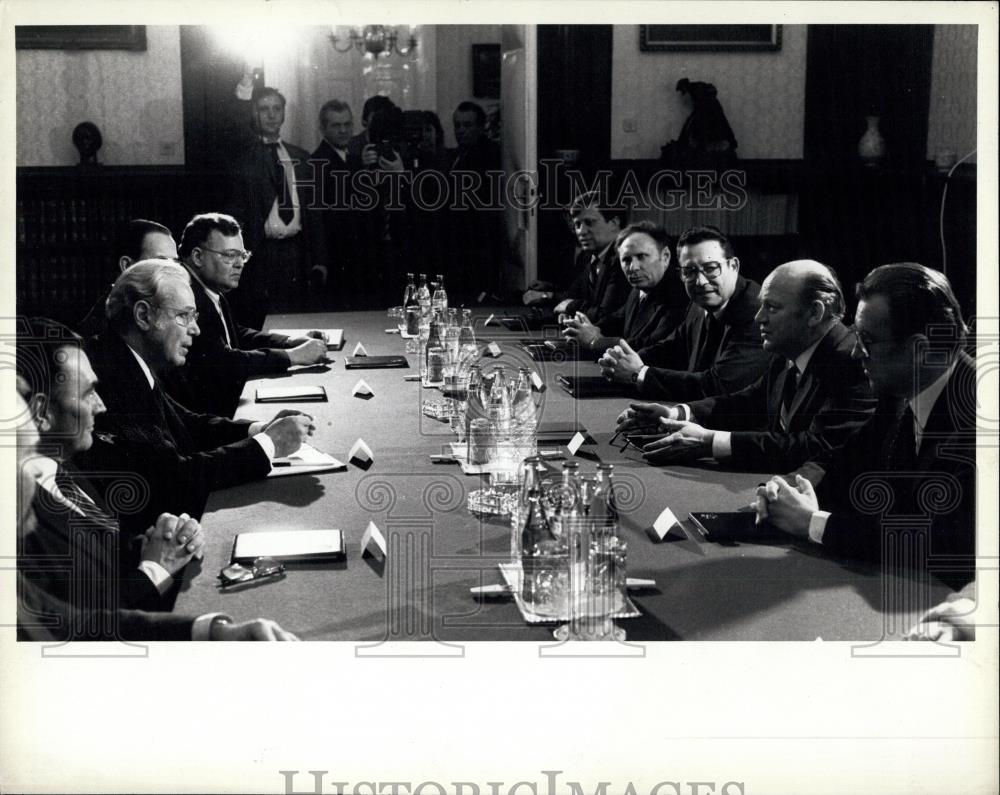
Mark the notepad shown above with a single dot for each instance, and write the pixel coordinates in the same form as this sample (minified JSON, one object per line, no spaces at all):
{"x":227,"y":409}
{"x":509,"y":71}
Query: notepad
{"x":291,"y":394}
{"x":303,"y":461}
{"x":374,"y":362}
{"x":334,"y":336}
{"x":289,"y":545}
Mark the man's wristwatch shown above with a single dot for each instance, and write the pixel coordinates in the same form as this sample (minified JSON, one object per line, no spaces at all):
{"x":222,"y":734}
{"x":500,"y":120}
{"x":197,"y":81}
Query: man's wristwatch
{"x":635,"y":377}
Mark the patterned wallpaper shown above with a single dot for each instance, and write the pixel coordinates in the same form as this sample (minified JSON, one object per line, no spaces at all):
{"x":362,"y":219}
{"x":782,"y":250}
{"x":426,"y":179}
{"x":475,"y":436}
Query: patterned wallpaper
{"x":952,"y":123}
{"x":133,"y":97}
{"x":762,"y":94}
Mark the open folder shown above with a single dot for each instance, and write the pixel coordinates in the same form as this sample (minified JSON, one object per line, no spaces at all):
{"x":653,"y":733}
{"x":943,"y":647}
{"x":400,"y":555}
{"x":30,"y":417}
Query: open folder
{"x":290,"y":394}
{"x":334,"y":336}
{"x":303,"y":461}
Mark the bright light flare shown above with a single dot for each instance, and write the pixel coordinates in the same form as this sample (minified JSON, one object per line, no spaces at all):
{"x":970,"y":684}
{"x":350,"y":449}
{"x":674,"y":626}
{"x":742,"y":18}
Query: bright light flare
{"x":253,"y":42}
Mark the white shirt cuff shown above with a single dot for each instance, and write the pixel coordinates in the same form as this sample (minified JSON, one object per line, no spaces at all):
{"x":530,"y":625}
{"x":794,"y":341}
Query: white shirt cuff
{"x":244,"y":90}
{"x":817,"y":525}
{"x":158,"y":575}
{"x":202,"y":627}
{"x":561,"y":306}
{"x":683,"y":412}
{"x":722,"y":444}
{"x":642,"y":375}
{"x":266,"y":443}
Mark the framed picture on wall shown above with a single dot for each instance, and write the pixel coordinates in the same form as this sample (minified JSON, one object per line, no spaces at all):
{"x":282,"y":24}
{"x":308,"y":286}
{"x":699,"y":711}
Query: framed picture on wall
{"x":80,"y":37}
{"x":709,"y":38}
{"x":486,"y":71}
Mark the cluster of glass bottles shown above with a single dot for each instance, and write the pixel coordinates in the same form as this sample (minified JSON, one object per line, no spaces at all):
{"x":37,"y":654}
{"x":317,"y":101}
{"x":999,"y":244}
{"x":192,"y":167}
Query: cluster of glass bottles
{"x":500,"y":419}
{"x":445,"y":341}
{"x":565,"y":538}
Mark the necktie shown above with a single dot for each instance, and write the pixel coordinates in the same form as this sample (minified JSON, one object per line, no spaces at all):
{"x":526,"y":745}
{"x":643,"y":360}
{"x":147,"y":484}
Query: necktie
{"x":788,"y":395}
{"x":286,"y":212}
{"x":595,"y":267}
{"x":227,"y":321}
{"x":901,"y":453}
{"x":709,"y":342}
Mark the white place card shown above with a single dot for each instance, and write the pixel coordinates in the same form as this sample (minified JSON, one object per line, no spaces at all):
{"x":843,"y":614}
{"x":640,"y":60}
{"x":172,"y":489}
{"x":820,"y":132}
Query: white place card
{"x":373,"y":542}
{"x":666,"y":523}
{"x":575,"y":443}
{"x":361,"y":389}
{"x":359,"y":350}
{"x":360,"y":453}
{"x":536,"y":382}
{"x":493,"y":350}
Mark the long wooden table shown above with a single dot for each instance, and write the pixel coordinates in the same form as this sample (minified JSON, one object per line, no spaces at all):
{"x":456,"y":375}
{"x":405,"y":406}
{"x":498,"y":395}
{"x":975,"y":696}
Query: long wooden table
{"x":438,"y":550}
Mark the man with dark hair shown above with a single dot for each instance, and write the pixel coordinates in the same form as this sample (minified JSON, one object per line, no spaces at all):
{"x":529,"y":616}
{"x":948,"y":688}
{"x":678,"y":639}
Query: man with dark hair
{"x":358,"y":143}
{"x":182,"y":456}
{"x":916,"y":455}
{"x":274,"y":196}
{"x":73,"y":524}
{"x":599,"y":289}
{"x":42,"y":616}
{"x":656,"y":303}
{"x":225,"y":354}
{"x":135,"y":240}
{"x":476,"y":152}
{"x":812,"y":397}
{"x":716,"y":349}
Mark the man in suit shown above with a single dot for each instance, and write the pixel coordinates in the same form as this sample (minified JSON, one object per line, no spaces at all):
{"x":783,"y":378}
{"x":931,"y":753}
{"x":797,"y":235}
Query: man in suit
{"x":358,"y":144}
{"x":225,"y":354}
{"x":904,"y":483}
{"x":74,"y":527}
{"x":813,"y":395}
{"x":42,"y":616}
{"x":136,"y":240}
{"x":345,"y":280}
{"x":656,"y":303}
{"x":599,"y":288}
{"x":274,"y":195}
{"x":716,"y":348}
{"x":180,"y":456}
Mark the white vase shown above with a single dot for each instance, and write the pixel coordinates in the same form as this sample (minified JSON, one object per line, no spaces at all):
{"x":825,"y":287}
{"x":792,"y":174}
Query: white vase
{"x":871,"y":147}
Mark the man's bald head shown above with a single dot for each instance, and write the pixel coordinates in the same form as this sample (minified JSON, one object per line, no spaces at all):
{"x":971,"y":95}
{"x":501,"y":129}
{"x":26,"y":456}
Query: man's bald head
{"x":799,"y":303}
{"x":813,"y":281}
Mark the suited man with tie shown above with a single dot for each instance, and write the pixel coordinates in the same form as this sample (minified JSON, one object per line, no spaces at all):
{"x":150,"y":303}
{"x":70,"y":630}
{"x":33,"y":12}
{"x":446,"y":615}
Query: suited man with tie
{"x":656,"y":304}
{"x":812,"y":397}
{"x":274,"y":196}
{"x":716,"y":348}
{"x":73,"y":525}
{"x":45,"y":617}
{"x":599,"y":289}
{"x":901,"y":490}
{"x":225,"y":354}
{"x":180,"y":456}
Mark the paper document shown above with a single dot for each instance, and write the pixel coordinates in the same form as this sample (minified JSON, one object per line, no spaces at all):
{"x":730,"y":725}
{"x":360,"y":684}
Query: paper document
{"x":306,"y":459}
{"x":334,"y":336}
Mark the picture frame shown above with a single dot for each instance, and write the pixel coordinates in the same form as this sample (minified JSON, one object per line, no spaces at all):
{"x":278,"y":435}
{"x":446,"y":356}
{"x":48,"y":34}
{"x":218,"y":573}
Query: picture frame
{"x":709,"y":38}
{"x":486,"y":71}
{"x":80,"y":37}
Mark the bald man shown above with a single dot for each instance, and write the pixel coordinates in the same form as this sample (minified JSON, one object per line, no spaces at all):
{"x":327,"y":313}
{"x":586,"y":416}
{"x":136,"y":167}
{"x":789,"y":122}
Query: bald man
{"x":811,"y":397}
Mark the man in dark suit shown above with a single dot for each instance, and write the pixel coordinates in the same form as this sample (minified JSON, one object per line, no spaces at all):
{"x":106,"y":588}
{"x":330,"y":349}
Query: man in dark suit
{"x":136,"y":240}
{"x":902,"y":488}
{"x":716,"y":349}
{"x":42,"y":616}
{"x":182,"y":456}
{"x":225,"y":354}
{"x":340,"y":225}
{"x":656,"y":303}
{"x":812,"y":397}
{"x":74,"y":527}
{"x":599,"y":289}
{"x":357,"y":144}
{"x":274,"y":196}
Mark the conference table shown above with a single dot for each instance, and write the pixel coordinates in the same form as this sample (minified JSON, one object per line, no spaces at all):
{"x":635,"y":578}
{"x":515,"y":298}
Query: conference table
{"x":437,"y":550}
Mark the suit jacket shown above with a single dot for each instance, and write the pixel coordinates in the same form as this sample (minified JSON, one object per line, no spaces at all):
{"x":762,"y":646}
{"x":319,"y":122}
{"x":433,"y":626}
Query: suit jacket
{"x":833,"y":398}
{"x":600,"y":300}
{"x":482,"y":156}
{"x":211,"y":380}
{"x":680,"y":370}
{"x":76,"y":552}
{"x":44,"y":617}
{"x":178,"y":457}
{"x":641,"y":323}
{"x":939,"y":491}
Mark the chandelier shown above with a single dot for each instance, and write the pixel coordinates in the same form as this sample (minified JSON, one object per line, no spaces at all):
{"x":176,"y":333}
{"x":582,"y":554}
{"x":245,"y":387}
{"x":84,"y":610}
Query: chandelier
{"x":374,"y":40}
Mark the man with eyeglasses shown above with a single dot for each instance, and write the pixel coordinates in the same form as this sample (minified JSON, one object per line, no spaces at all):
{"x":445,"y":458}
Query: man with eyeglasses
{"x":716,"y":349}
{"x":812,"y":397}
{"x":225,"y":354}
{"x":902,"y":488}
{"x":180,"y":456}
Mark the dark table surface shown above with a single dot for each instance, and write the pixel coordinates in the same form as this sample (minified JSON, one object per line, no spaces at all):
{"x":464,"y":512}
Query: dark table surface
{"x":438,"y":550}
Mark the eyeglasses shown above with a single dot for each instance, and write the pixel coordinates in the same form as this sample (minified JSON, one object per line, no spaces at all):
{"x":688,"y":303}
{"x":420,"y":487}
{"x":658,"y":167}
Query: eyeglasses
{"x":261,"y":568}
{"x":230,"y":255}
{"x":709,"y":270}
{"x":185,"y":318}
{"x":865,"y":345}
